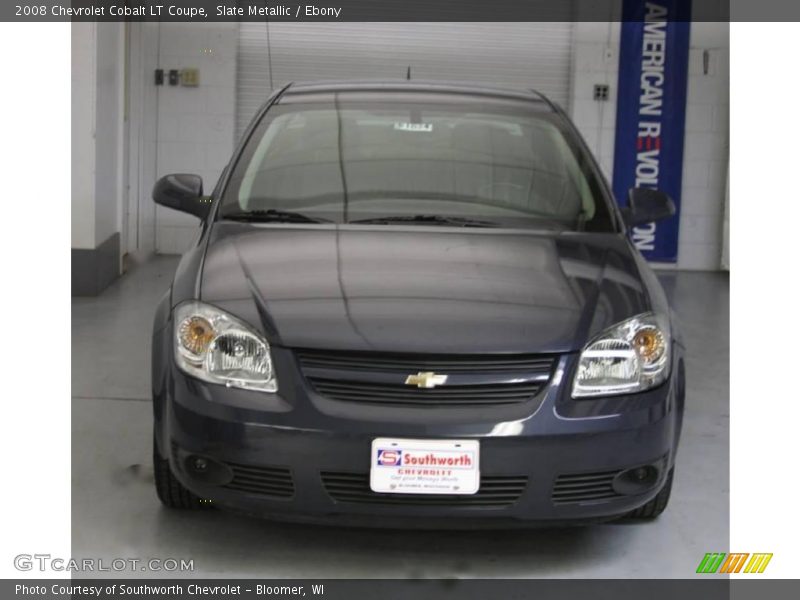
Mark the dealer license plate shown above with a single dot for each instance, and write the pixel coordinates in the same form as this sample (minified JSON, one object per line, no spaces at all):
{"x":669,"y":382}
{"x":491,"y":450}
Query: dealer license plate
{"x":401,"y":466}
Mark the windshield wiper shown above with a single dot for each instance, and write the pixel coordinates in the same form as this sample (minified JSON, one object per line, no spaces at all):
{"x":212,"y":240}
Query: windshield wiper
{"x":427,"y":220}
{"x":272,"y":215}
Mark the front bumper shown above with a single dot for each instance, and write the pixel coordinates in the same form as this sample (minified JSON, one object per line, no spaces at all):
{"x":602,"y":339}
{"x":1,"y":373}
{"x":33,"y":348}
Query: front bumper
{"x":301,"y":457}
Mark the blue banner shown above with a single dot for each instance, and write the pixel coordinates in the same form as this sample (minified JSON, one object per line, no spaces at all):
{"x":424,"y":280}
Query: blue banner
{"x":651,"y":113}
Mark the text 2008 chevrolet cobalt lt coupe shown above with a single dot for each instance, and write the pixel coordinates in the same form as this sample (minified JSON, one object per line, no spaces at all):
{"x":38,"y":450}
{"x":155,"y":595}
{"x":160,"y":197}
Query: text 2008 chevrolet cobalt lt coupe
{"x":415,"y":304}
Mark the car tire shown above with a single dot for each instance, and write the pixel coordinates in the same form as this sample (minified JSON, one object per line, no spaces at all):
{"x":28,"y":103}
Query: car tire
{"x":170,"y":491}
{"x":656,"y":506}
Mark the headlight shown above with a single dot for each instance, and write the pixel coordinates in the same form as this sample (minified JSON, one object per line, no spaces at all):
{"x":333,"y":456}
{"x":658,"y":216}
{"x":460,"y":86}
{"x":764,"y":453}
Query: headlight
{"x":630,"y":357}
{"x":217,"y":347}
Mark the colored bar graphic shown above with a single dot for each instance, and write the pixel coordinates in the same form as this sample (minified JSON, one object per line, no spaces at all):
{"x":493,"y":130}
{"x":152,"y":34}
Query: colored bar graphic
{"x":716,"y":562}
{"x":758,"y":563}
{"x":711,"y":562}
{"x":734,"y":563}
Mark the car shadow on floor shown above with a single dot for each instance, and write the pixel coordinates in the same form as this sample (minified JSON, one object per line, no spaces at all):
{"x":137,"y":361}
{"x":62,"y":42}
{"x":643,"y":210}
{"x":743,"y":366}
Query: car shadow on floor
{"x":245,"y":545}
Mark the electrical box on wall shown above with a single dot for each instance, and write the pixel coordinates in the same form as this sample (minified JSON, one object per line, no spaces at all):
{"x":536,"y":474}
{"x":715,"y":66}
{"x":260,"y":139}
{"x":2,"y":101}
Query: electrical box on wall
{"x":601,"y":92}
{"x":190,"y":77}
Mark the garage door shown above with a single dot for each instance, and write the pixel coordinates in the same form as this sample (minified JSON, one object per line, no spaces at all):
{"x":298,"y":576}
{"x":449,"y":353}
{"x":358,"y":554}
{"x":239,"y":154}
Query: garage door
{"x":517,"y":55}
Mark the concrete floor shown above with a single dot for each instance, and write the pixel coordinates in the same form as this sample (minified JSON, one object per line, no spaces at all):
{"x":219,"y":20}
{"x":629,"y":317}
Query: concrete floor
{"x":115,"y":512}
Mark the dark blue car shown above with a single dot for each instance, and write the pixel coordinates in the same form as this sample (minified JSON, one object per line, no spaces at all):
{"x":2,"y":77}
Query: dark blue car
{"x":415,"y":305}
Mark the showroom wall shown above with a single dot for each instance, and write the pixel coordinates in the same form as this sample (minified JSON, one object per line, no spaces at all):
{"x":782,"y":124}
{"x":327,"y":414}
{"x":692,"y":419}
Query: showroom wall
{"x":83,"y":85}
{"x":142,"y":137}
{"x":195,"y":128}
{"x":490,"y":53}
{"x":97,"y":159}
{"x":706,"y":138}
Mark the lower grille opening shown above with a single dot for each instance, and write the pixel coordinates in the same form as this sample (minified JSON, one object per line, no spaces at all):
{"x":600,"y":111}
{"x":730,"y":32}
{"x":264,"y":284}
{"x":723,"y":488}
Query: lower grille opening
{"x":276,"y":482}
{"x":585,"y":487}
{"x":603,"y":486}
{"x":494,"y":492}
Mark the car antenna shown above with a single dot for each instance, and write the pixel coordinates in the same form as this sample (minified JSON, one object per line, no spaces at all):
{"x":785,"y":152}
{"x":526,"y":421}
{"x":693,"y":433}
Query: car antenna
{"x":408,"y":73}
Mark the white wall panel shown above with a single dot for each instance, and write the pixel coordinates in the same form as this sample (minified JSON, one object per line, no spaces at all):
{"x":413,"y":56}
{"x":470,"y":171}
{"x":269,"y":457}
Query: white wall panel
{"x":110,"y":38}
{"x":141,"y":138}
{"x":97,"y":134}
{"x":515,"y":55}
{"x":195,"y":125}
{"x":84,"y":74}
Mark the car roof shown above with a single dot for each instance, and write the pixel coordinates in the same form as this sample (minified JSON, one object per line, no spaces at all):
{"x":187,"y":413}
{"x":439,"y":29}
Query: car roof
{"x":419,"y":86}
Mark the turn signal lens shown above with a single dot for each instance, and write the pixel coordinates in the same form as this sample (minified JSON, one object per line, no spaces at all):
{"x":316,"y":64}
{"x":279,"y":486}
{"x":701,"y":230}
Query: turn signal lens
{"x":649,"y":343}
{"x":195,"y":334}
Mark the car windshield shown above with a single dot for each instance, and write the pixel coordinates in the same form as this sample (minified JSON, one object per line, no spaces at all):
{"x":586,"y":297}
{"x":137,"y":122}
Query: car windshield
{"x":413,"y":158}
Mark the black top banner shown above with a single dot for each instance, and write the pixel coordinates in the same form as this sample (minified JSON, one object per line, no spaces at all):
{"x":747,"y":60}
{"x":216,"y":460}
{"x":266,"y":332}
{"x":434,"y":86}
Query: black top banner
{"x":375,"y":10}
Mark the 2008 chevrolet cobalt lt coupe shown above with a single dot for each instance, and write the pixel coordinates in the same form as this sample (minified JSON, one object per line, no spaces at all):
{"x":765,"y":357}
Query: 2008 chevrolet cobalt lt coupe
{"x":415,"y":305}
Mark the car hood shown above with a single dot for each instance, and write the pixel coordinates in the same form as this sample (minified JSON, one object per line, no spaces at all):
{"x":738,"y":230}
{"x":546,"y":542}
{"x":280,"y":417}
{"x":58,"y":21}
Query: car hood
{"x":422,"y":288}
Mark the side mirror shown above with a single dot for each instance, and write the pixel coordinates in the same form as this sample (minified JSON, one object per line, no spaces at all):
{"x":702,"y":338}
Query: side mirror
{"x":182,"y":192}
{"x":646,"y":205}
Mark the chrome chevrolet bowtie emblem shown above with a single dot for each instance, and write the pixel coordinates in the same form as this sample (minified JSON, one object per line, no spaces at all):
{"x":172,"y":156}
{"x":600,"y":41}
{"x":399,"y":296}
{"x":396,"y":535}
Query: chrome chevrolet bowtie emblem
{"x":427,"y":379}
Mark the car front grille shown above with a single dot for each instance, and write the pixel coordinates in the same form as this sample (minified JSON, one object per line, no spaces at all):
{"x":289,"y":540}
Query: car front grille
{"x":494,"y":492}
{"x":584,"y":488}
{"x":380,"y":378}
{"x":400,"y":394}
{"x":263,"y":481}
{"x":407,"y":363}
